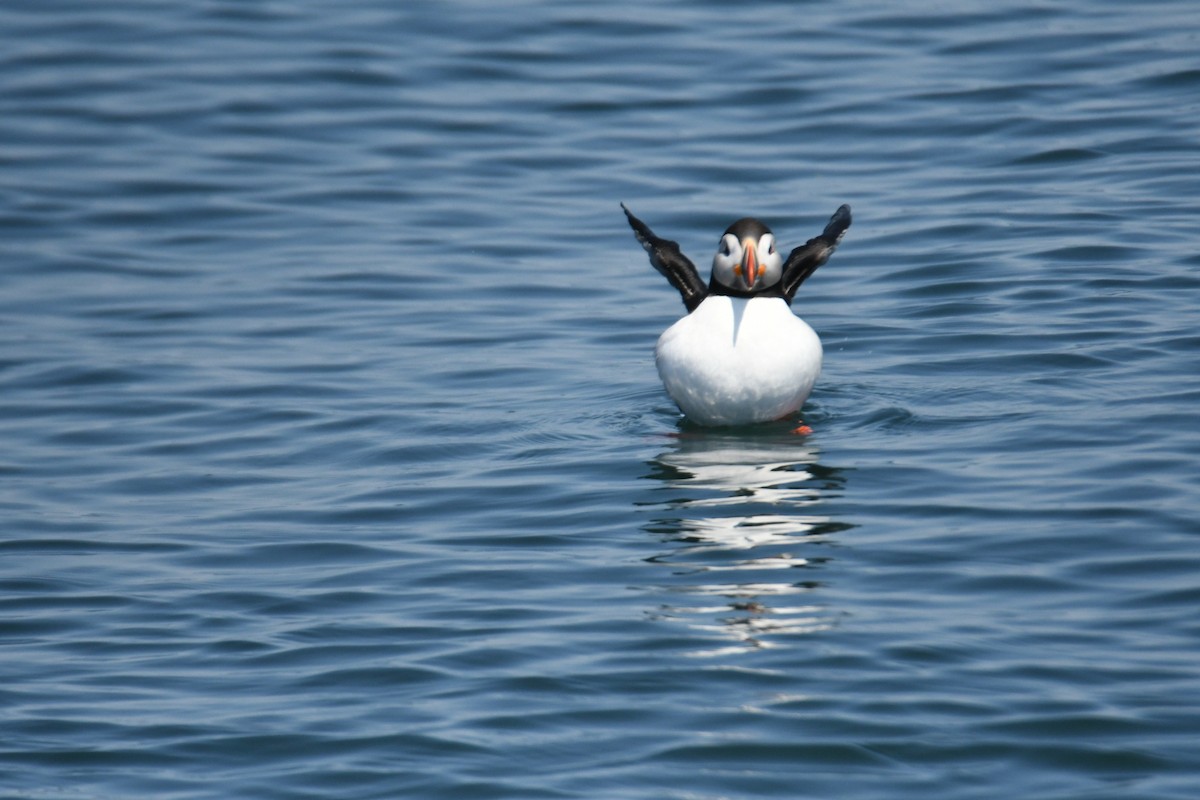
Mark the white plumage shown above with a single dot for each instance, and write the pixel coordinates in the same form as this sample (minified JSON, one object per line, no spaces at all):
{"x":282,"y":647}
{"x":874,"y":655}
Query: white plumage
{"x":738,"y":361}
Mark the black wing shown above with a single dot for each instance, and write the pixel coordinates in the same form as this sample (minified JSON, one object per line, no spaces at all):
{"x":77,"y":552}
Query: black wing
{"x":674,"y":265}
{"x":804,"y":260}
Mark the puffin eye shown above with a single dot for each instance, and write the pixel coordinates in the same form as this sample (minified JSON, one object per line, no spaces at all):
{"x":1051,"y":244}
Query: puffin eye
{"x":724,"y":247}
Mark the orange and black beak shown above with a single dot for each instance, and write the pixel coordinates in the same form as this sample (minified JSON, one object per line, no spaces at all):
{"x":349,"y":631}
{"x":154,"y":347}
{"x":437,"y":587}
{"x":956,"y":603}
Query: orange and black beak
{"x":750,"y":268}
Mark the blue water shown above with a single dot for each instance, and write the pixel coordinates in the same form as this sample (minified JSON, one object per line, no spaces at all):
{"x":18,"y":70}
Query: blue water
{"x":334,"y":464}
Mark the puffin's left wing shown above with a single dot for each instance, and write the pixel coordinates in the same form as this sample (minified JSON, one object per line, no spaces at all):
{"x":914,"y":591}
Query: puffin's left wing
{"x":804,"y":260}
{"x":667,"y":259}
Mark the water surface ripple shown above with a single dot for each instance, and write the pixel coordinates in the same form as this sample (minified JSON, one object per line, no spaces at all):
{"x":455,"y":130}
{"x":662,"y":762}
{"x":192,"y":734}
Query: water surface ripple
{"x":335,"y":464}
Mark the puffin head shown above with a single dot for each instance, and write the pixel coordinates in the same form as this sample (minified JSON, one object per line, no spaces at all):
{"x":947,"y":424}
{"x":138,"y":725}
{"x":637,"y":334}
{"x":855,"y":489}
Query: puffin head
{"x":746,"y":259}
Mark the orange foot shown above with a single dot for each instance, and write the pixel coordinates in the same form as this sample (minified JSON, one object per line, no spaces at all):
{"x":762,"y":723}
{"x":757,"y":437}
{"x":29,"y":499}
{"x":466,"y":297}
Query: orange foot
{"x":802,"y":430}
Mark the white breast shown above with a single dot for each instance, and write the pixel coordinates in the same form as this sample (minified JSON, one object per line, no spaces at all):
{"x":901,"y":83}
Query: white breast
{"x":736,"y":361}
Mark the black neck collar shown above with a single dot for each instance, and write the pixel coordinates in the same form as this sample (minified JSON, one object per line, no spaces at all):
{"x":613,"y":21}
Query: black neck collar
{"x":723,"y":290}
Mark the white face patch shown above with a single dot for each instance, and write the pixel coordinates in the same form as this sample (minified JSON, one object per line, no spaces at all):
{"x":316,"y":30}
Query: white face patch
{"x":729,"y":263}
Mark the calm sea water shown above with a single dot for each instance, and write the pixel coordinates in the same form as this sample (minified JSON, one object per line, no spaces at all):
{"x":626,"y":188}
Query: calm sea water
{"x":334,"y":462}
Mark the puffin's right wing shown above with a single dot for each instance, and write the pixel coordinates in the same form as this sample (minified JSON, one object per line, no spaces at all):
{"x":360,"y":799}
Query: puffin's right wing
{"x":804,"y":260}
{"x":667,"y":259}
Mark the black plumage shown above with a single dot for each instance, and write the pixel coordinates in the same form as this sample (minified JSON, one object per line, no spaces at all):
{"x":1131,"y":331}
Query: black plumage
{"x":802,"y":262}
{"x":666,"y":257}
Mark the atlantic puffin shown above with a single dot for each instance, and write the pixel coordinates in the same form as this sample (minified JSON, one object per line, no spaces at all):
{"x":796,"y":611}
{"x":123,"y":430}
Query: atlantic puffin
{"x":740,"y":356}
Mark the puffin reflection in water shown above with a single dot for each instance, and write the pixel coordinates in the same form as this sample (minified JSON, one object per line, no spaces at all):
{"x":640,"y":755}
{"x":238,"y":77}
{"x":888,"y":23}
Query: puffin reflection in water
{"x":740,"y":356}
